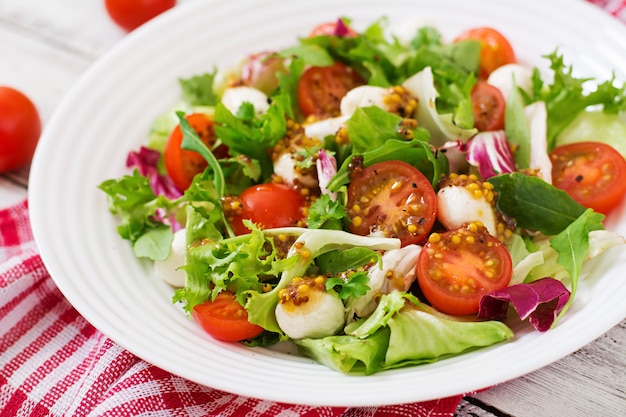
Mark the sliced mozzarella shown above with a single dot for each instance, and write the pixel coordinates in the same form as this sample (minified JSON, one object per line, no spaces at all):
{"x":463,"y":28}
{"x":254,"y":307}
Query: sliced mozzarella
{"x":457,"y":205}
{"x":169,"y":269}
{"x":285,"y":167}
{"x":234,"y":97}
{"x":363,"y":96}
{"x":322,"y":315}
{"x":504,"y":76}
{"x":319,"y":130}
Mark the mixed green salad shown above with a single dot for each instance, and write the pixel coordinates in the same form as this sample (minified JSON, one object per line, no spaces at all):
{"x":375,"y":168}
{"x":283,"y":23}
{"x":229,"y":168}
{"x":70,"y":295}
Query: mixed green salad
{"x":380,"y":200}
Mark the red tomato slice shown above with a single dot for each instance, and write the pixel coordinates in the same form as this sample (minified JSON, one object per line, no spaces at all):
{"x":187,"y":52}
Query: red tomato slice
{"x":320,"y":89}
{"x":456,"y":268}
{"x":129,"y":14}
{"x":182,"y":165}
{"x":488,"y":105}
{"x":393,"y":198}
{"x":592,"y":173}
{"x":225,"y":319}
{"x":20,"y":128}
{"x":268,"y":206}
{"x":495,"y":50}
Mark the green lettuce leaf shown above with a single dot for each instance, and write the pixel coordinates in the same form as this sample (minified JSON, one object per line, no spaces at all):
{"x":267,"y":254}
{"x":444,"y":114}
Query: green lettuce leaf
{"x":401,"y":332}
{"x":198,"y":90}
{"x":348,"y":354}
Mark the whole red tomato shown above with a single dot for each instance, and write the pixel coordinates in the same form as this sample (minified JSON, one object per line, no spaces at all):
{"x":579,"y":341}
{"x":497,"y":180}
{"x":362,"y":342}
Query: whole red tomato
{"x":129,"y":14}
{"x":20,"y":128}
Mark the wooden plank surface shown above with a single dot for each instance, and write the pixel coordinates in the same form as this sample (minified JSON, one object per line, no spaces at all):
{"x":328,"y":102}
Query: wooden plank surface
{"x":46,"y":46}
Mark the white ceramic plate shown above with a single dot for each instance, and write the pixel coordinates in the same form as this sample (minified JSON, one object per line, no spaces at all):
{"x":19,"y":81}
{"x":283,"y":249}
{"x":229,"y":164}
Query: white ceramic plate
{"x":110,"y":110}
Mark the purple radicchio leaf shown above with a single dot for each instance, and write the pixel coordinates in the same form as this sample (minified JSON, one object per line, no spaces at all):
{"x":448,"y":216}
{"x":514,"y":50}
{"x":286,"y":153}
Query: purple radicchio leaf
{"x":456,"y":152}
{"x":326,"y":169}
{"x":490,"y":152}
{"x":540,"y":301}
{"x":146,"y":161}
{"x":341,"y":29}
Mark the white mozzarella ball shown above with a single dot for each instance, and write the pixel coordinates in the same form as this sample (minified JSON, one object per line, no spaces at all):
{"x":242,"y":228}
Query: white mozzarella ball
{"x":319,"y":130}
{"x":503,"y":77}
{"x":285,"y":167}
{"x":362,"y":96}
{"x":234,"y":97}
{"x":322,"y":315}
{"x":457,"y":205}
{"x":168,"y":269}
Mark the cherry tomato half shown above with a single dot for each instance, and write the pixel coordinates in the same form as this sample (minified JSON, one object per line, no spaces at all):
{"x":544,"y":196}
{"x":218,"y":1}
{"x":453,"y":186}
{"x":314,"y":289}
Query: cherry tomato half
{"x":495,"y":49}
{"x":225,"y":319}
{"x":456,"y":268}
{"x":592,"y":173}
{"x":489,"y":106}
{"x":20,"y":128}
{"x":393,"y":198}
{"x":182,"y":165}
{"x":320,"y":89}
{"x":130,"y":14}
{"x":268,"y":206}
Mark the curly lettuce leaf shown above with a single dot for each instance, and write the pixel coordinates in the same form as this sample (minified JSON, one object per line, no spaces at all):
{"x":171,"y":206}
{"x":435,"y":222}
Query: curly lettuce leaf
{"x":567,"y":96}
{"x":238,"y":262}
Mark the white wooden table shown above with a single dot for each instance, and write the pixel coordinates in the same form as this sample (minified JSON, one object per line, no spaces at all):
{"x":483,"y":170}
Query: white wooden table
{"x":44,"y":48}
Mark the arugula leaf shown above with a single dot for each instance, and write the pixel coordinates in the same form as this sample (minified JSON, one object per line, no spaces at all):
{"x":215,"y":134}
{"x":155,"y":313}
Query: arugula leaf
{"x":198,"y":90}
{"x":535,"y":204}
{"x":355,"y":285}
{"x":252,"y":134}
{"x":339,"y":261}
{"x":325,"y":213}
{"x":192,"y":142}
{"x":415,"y":152}
{"x":369,"y":128}
{"x":288,"y":83}
{"x":572,"y":245}
{"x":453,"y":67}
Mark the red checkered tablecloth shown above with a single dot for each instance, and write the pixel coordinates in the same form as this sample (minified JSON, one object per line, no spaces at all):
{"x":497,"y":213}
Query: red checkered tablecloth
{"x":54,"y":363}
